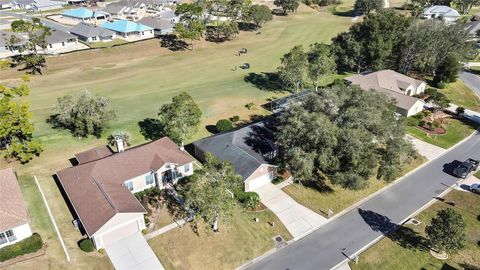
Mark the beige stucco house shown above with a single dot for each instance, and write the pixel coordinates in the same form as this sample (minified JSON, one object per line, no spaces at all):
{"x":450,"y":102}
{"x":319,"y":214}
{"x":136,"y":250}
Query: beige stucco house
{"x":100,"y":187}
{"x":399,"y":87}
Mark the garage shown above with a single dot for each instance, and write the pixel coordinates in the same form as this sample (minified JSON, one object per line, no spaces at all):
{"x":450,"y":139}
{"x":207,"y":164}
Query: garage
{"x":259,"y":181}
{"x":120,"y":233}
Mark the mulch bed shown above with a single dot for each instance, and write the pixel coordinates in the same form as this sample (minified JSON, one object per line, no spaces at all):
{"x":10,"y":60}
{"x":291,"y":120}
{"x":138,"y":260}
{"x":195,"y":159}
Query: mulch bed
{"x":25,"y":257}
{"x":261,"y":207}
{"x":436,"y":131}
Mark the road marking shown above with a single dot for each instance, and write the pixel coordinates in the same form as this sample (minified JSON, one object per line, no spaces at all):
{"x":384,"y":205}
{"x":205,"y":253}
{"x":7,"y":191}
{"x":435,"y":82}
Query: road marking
{"x":52,"y":219}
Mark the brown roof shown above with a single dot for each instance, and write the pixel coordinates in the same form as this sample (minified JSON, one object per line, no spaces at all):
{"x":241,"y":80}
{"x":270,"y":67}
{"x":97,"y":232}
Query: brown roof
{"x":96,"y":188}
{"x":13,"y":211}
{"x":94,"y":154}
{"x":390,"y":83}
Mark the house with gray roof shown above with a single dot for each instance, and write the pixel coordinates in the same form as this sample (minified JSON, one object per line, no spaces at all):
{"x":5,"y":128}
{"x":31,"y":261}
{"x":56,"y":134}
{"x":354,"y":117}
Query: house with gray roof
{"x":444,"y":13}
{"x":473,"y":30}
{"x":160,"y":26}
{"x":91,"y":33}
{"x":251,"y":150}
{"x":397,"y":86}
{"x":6,"y":48}
{"x":6,"y":4}
{"x":60,"y":41}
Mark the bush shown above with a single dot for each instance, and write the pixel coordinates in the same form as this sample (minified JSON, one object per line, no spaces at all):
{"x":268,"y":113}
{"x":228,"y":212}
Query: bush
{"x":235,"y":118}
{"x":419,"y":115}
{"x":101,"y":251}
{"x":25,"y":246}
{"x":224,"y":125}
{"x":412,"y":121}
{"x":441,"y":85}
{"x":421,"y":123}
{"x":86,"y":245}
{"x":250,"y":106}
{"x":277,"y":180}
{"x":460,"y":110}
{"x":249,"y":199}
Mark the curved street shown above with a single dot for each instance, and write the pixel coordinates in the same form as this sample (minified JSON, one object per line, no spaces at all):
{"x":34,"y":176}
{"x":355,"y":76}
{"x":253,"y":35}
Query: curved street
{"x":336,"y":242}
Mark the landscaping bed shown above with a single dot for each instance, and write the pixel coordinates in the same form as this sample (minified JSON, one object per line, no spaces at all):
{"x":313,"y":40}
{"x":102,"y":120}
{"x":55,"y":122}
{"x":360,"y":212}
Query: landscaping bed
{"x":407,"y":248}
{"x":28,"y":245}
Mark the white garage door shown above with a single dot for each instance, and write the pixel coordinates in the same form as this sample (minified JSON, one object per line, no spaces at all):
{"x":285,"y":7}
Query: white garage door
{"x":260,"y":181}
{"x":120,"y":233}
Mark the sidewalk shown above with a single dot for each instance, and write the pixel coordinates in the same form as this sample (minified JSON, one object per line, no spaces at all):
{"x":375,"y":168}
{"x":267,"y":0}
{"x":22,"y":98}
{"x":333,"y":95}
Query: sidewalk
{"x":425,"y":149}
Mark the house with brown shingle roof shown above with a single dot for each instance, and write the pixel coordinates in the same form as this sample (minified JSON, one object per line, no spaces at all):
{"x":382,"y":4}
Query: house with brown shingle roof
{"x":395,"y":85}
{"x":14,"y":219}
{"x":101,"y":187}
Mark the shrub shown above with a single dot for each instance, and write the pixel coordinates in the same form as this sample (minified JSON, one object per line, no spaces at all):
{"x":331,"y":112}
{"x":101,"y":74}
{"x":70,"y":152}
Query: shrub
{"x":25,"y":246}
{"x":250,"y":106}
{"x":419,"y":115}
{"x":441,"y":85}
{"x":235,"y":118}
{"x":101,"y":251}
{"x":277,"y":180}
{"x":144,"y":231}
{"x":435,"y":124}
{"x":224,"y":125}
{"x":249,"y":199}
{"x":86,"y":245}
{"x":412,"y":121}
{"x":421,"y":123}
{"x":460,"y":110}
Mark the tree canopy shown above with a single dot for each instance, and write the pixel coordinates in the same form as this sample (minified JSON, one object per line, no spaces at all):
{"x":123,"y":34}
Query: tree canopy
{"x":367,"y":6}
{"x":180,"y":118}
{"x":83,"y":114}
{"x":191,"y":25}
{"x":321,"y":63}
{"x":446,"y":231}
{"x":464,"y":6}
{"x":287,"y":5}
{"x":16,"y":129}
{"x":343,"y":133}
{"x":209,"y":191}
{"x":259,"y":15}
{"x":294,"y":67}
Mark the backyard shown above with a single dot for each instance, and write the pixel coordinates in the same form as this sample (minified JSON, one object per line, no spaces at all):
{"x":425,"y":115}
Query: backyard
{"x":139,"y":78}
{"x":407,"y":248}
{"x":334,"y":197}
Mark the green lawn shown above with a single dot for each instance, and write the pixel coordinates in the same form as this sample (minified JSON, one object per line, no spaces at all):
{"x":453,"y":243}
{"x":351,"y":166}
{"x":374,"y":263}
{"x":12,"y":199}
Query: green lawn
{"x":456,"y":131}
{"x":139,"y":78}
{"x":477,"y":174}
{"x":461,"y":95}
{"x":241,"y":241}
{"x":403,"y":250}
{"x":335,"y":197}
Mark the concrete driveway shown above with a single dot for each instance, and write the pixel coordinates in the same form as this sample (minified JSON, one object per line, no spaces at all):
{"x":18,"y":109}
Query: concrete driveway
{"x":298,"y":219}
{"x":133,"y":253}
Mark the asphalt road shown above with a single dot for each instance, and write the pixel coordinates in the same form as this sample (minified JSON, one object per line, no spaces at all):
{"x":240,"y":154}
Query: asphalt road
{"x":44,"y":21}
{"x":471,"y":80}
{"x":332,"y":243}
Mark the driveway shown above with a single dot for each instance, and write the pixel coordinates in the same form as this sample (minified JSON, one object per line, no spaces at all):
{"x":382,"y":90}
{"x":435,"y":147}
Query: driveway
{"x":425,"y":149}
{"x":471,"y":80}
{"x":133,"y":253}
{"x":298,"y":219}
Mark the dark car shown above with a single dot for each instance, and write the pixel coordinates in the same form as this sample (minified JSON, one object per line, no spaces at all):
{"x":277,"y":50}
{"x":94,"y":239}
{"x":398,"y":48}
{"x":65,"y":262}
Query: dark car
{"x":465,"y":168}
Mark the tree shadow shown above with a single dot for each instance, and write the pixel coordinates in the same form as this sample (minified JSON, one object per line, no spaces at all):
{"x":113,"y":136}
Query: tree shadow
{"x":173,"y":43}
{"x":279,"y":12}
{"x":245,"y":26}
{"x":348,"y":13}
{"x":403,"y":236}
{"x":211,"y":128}
{"x":268,"y":81}
{"x":151,"y":128}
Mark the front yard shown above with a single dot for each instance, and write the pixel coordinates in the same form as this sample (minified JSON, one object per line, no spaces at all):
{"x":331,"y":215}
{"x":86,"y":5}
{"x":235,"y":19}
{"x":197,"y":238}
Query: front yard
{"x":456,"y":131}
{"x":335,"y":197}
{"x":243,"y":240}
{"x":406,"y":249}
{"x":459,"y":94}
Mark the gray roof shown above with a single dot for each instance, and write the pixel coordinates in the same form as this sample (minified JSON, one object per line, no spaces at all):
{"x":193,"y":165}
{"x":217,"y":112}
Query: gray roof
{"x":5,"y":38}
{"x":168,"y":14}
{"x":246,"y":148}
{"x":57,"y":36}
{"x":113,"y":8}
{"x":472,"y":27}
{"x":25,"y":2}
{"x":156,"y":23}
{"x":88,"y":30}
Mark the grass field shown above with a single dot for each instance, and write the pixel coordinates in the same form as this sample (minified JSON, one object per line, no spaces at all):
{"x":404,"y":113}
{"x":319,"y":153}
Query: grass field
{"x":335,"y":197}
{"x":461,"y":95}
{"x":406,"y":249}
{"x":456,"y":131}
{"x":241,"y":241}
{"x":139,"y":78}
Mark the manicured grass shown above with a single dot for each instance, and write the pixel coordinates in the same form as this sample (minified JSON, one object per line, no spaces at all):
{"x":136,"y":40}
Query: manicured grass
{"x":461,"y":95}
{"x":403,"y":250}
{"x":335,"y":197}
{"x":477,"y":174}
{"x":96,"y":45}
{"x":139,"y":78}
{"x":456,"y":131}
{"x":241,"y":241}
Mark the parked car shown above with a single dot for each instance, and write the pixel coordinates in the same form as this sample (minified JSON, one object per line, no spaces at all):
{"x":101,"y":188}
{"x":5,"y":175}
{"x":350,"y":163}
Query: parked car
{"x":475,"y":188}
{"x":465,"y":168}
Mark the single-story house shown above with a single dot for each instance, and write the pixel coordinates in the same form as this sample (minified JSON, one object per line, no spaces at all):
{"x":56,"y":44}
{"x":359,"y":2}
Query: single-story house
{"x":395,"y":85}
{"x":444,"y":13}
{"x":85,"y":15}
{"x":45,"y":5}
{"x":169,"y":15}
{"x":14,"y":219}
{"x":129,"y":30}
{"x":7,"y":49}
{"x":6,"y":4}
{"x":115,"y":11}
{"x":100,"y":187}
{"x":160,"y":26}
{"x":92,"y":33}
{"x":22,"y":4}
{"x":251,"y":150}
{"x":60,"y":41}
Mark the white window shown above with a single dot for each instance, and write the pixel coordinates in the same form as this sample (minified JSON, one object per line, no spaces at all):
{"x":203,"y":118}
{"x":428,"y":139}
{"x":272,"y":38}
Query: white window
{"x":63,"y":43}
{"x":186,"y":168}
{"x":7,"y":236}
{"x":94,"y":38}
{"x":129,"y":185}
{"x":149,"y":179}
{"x":3,"y":238}
{"x":50,"y":45}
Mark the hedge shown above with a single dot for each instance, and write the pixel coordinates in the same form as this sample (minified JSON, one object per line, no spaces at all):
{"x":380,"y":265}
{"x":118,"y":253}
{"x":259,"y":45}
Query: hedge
{"x":86,"y":245}
{"x":25,"y":246}
{"x":249,"y":199}
{"x":224,"y":125}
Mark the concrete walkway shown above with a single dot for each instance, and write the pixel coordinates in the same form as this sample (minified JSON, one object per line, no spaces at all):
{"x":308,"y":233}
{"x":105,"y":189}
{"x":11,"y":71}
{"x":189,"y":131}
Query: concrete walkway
{"x":298,"y":219}
{"x":165,"y":229}
{"x":425,"y":149}
{"x":467,"y":183}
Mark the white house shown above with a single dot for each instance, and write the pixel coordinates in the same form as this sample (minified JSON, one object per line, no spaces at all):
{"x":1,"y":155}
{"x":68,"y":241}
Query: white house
{"x":399,"y":87}
{"x":129,"y":30}
{"x":37,"y":5}
{"x":6,"y":4}
{"x":14,"y":219}
{"x":444,"y":13}
{"x":92,"y":33}
{"x":59,"y":42}
{"x":85,"y":15}
{"x":251,"y":150}
{"x":100,"y":188}
{"x":6,"y":48}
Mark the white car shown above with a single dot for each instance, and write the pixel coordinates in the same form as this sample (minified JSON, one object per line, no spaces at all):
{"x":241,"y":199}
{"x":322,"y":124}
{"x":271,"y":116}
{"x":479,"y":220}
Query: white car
{"x":475,"y":188}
